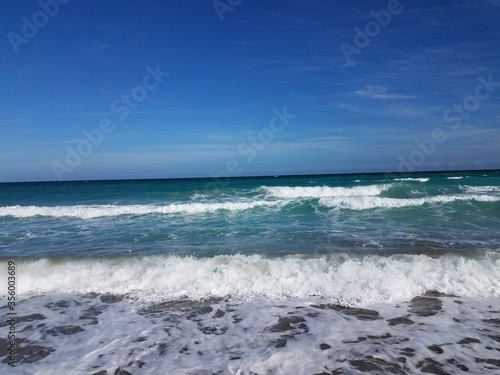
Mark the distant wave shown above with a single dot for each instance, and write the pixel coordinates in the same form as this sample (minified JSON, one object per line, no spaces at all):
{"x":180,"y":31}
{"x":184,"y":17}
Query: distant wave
{"x":288,"y":192}
{"x":352,"y":198}
{"x":95,"y":211}
{"x":353,"y":281}
{"x":368,"y":197}
{"x":366,"y":203}
{"x":481,"y":189}
{"x":424,"y":179}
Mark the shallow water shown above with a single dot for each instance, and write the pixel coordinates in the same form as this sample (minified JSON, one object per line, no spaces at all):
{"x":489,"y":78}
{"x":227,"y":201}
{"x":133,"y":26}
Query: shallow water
{"x":90,"y":334}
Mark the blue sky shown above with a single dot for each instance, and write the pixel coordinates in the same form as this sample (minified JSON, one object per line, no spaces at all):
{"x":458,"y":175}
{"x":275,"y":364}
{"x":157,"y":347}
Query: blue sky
{"x":152,"y":89}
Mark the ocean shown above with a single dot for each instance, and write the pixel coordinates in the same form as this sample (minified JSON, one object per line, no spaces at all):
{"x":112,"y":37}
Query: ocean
{"x":329,"y":274}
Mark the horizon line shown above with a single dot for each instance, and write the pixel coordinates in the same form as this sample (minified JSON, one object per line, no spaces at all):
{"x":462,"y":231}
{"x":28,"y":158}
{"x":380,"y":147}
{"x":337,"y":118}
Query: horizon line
{"x":255,"y":176}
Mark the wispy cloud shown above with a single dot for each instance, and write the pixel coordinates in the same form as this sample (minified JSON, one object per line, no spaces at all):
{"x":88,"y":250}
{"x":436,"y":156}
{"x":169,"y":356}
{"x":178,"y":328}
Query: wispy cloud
{"x":14,"y":120}
{"x":51,"y":143}
{"x":380,"y":92}
{"x":220,"y":137}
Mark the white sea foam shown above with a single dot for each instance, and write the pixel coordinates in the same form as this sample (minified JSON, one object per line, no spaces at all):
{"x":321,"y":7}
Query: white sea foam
{"x":480,"y":189}
{"x":352,"y":281}
{"x":424,"y":179}
{"x":94,"y":211}
{"x":288,"y":192}
{"x":369,"y":202}
{"x":355,"y":198}
{"x":454,"y":178}
{"x":258,"y":336}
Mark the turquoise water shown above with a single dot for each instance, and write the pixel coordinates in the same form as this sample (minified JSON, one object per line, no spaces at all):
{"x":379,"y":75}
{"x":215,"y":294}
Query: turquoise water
{"x":430,"y":213}
{"x":355,"y":239}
